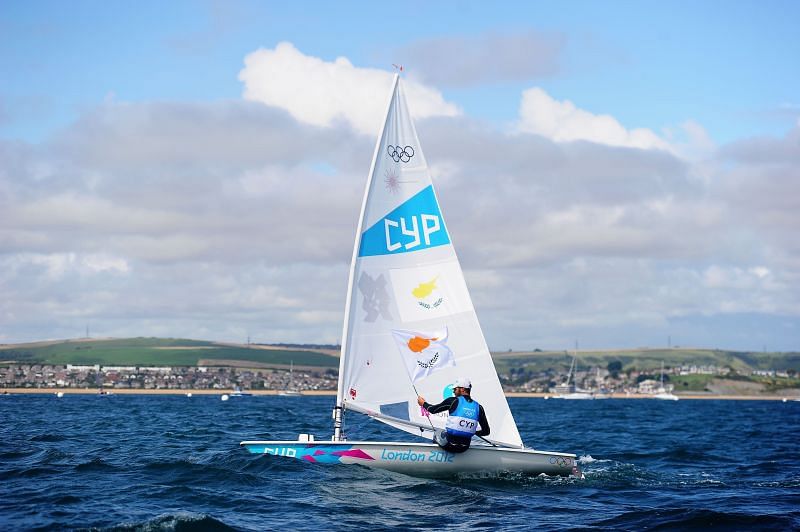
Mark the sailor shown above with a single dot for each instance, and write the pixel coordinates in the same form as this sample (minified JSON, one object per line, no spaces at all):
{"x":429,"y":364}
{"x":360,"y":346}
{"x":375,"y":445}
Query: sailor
{"x":462,"y":423}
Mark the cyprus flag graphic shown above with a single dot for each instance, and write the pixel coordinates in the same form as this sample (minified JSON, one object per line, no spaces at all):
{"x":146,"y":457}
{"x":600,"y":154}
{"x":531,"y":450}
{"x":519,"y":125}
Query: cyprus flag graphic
{"x":428,"y":292}
{"x":423,"y":353}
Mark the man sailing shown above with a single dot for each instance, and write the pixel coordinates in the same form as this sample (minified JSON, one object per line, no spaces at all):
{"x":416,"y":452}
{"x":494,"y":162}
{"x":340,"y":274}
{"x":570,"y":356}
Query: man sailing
{"x":465,"y":414}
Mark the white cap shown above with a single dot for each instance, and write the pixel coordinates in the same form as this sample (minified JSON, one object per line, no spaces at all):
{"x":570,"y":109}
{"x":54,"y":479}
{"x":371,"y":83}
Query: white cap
{"x":462,"y":382}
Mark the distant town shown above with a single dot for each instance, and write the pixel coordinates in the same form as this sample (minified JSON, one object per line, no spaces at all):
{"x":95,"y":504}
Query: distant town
{"x":609,"y":379}
{"x":163,"y":378}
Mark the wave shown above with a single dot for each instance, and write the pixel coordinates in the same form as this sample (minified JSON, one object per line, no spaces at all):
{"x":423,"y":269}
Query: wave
{"x":177,"y":522}
{"x":689,"y":519}
{"x":589,"y":459}
{"x":95,"y":464}
{"x":48,"y":438}
{"x":134,"y":463}
{"x":29,"y":472}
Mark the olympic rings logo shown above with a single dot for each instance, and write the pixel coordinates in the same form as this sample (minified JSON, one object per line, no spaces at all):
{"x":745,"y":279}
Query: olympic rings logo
{"x":561,"y":461}
{"x":400,"y":153}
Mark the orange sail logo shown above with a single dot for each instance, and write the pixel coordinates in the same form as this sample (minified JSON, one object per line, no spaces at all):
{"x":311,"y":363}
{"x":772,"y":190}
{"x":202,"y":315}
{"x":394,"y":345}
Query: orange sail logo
{"x":423,"y":353}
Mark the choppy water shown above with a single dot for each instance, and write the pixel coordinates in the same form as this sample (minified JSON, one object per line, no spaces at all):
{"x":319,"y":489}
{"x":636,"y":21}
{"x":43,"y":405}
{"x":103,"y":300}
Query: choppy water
{"x":152,"y":463}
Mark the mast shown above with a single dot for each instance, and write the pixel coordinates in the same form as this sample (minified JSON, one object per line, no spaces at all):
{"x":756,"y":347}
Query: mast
{"x":337,"y":410}
{"x":572,"y":364}
{"x":569,"y":374}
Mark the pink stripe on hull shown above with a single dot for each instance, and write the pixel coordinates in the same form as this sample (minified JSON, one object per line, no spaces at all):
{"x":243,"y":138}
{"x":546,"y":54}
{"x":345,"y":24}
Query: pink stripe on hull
{"x":354,"y":453}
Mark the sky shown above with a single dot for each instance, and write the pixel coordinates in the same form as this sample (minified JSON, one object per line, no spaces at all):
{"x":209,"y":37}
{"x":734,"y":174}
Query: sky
{"x":619,"y":175}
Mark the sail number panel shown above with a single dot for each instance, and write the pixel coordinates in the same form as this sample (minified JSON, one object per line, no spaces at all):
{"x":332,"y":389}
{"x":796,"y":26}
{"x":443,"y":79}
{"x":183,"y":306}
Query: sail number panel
{"x":414,"y":225}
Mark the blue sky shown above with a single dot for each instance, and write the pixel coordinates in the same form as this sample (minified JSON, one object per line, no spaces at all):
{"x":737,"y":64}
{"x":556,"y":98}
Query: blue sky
{"x":634,"y":164}
{"x":731,"y":66}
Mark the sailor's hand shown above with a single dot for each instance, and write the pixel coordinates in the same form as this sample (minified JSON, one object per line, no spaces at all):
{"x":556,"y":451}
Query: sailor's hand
{"x":420,"y":400}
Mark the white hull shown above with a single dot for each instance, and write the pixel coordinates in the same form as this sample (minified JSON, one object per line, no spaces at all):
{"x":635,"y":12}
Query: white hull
{"x":422,"y":459}
{"x":575,"y":395}
{"x":665,"y":396}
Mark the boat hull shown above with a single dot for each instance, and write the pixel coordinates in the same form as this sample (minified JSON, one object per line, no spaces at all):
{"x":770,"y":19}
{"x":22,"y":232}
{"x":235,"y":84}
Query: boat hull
{"x":575,"y":396}
{"x":665,"y":396}
{"x":422,"y":459}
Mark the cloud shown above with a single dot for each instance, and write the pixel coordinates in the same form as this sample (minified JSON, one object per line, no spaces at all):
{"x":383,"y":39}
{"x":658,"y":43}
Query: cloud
{"x":562,"y":121}
{"x":762,"y":186}
{"x":618,"y":236}
{"x":555,"y":202}
{"x":490,"y":57}
{"x":318,"y":92}
{"x":229,"y":219}
{"x":168,"y":182}
{"x":766,"y":150}
{"x":57,"y":265}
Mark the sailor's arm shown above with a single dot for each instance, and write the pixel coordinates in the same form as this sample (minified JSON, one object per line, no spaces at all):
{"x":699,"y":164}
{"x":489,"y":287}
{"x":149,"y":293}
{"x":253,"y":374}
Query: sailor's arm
{"x":435,"y":409}
{"x":484,"y":423}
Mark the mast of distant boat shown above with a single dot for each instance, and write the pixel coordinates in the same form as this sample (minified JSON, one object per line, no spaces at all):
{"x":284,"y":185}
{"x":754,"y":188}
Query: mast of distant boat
{"x":572,"y":364}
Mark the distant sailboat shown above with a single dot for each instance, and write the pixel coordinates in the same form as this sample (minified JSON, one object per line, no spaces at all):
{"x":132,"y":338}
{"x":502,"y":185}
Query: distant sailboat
{"x":237,"y":392}
{"x":410,"y":325}
{"x":663,"y":393}
{"x":290,"y":390}
{"x":568,"y":389}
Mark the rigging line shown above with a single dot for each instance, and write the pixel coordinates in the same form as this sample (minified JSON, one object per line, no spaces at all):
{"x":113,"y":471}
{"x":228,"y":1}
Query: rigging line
{"x":427,"y":417}
{"x":487,"y":441}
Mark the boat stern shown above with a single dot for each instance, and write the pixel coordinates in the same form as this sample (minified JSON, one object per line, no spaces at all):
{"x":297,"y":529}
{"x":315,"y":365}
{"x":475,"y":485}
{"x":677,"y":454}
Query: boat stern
{"x":576,"y":471}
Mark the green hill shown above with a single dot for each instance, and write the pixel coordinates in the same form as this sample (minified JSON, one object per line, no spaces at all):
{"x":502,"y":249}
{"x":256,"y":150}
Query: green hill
{"x":183,"y":352}
{"x":157,"y":352}
{"x":649,"y":359}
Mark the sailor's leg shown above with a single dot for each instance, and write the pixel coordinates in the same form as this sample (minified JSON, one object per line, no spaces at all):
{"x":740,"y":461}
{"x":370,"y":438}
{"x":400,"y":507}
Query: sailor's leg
{"x":440,"y":438}
{"x":456,"y":448}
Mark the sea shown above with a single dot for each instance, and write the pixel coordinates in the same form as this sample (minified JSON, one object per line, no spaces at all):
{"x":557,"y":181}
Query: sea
{"x":148,"y":462}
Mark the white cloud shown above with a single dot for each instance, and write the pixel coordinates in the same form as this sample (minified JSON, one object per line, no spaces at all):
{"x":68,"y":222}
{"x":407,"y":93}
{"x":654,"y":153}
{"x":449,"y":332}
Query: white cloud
{"x":101,"y":262}
{"x":227,"y":219}
{"x":318,"y":92}
{"x":57,"y":266}
{"x":562,"y":121}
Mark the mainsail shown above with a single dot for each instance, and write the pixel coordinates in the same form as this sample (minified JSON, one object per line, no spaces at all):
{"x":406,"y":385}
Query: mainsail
{"x":409,"y":319}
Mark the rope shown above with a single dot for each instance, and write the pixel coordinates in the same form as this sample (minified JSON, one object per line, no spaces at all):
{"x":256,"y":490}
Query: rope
{"x":427,"y":417}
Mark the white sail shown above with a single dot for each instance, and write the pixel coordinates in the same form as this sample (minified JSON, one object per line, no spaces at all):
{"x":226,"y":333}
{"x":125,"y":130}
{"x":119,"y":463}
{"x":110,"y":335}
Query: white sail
{"x":409,"y":319}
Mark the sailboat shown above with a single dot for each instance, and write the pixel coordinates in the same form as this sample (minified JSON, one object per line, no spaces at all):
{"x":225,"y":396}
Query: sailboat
{"x":663,"y":393}
{"x":568,"y":389}
{"x":238,"y":392}
{"x":410,"y":328}
{"x":290,"y":390}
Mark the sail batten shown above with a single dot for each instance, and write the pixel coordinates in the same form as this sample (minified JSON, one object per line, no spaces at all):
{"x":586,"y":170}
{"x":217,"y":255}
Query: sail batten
{"x":409,"y":318}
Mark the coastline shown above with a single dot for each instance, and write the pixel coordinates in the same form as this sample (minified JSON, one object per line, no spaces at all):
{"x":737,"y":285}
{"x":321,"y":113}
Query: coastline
{"x":529,"y":395}
{"x":164,"y":391}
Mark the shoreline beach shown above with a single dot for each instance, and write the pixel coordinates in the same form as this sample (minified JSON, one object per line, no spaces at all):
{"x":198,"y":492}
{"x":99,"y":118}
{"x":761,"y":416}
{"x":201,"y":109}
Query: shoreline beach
{"x":530,"y":395}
